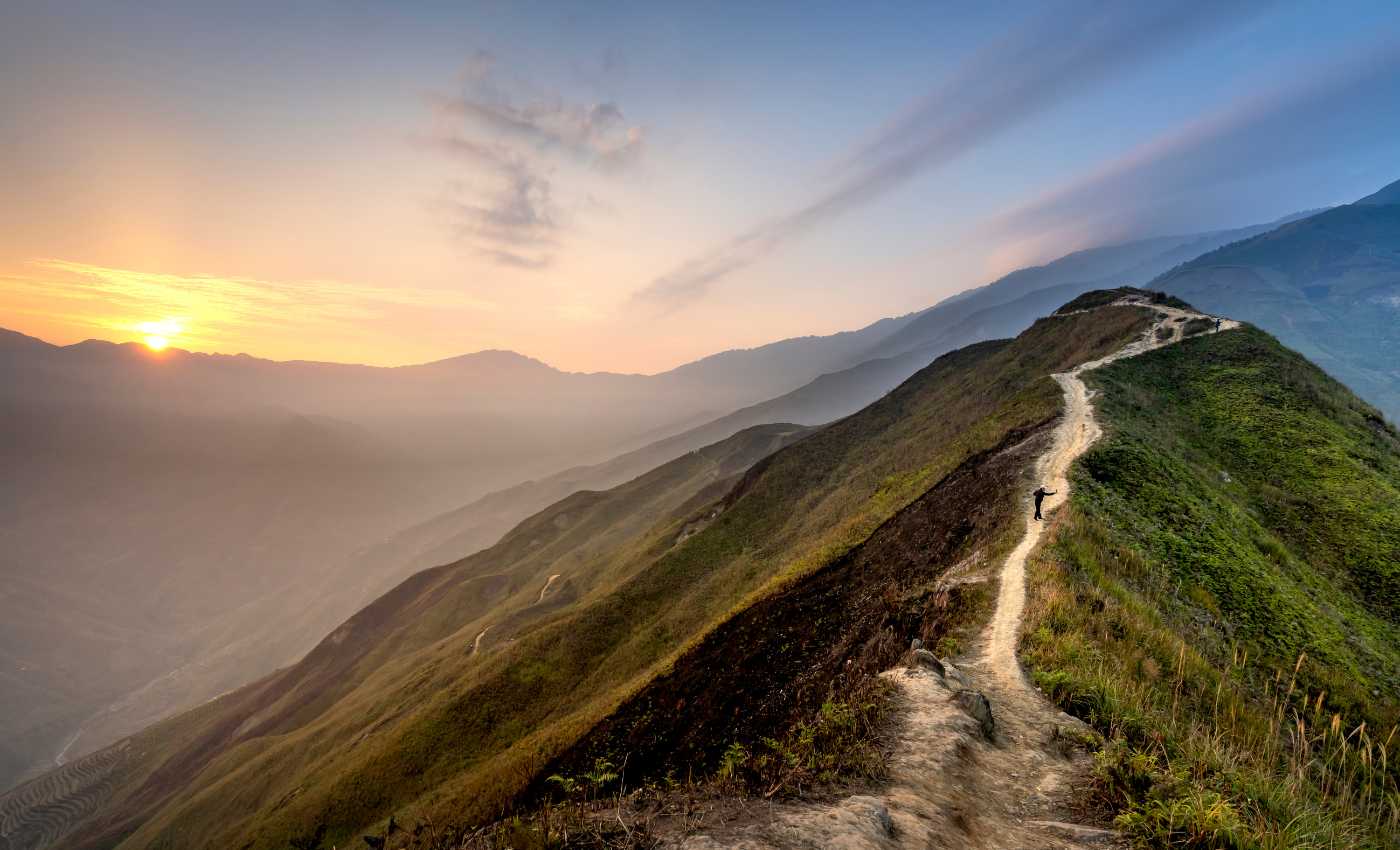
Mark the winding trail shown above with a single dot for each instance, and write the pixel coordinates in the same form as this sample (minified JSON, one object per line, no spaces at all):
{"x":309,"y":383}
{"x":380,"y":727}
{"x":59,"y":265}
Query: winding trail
{"x":546,"y":587}
{"x":1076,"y":431}
{"x":951,"y":786}
{"x":476,"y":644}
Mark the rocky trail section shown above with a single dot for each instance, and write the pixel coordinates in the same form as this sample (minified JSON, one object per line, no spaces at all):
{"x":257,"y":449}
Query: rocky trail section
{"x":981,"y":759}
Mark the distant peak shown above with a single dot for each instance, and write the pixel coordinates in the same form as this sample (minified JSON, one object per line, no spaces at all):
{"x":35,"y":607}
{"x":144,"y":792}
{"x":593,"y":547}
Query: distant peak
{"x":492,"y":358}
{"x":16,"y":341}
{"x":1385,"y":197}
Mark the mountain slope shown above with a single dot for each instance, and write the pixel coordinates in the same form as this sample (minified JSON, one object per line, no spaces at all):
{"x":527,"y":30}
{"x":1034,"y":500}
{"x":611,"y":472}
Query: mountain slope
{"x":1327,"y":285}
{"x":1387,"y":196}
{"x":409,"y":704}
{"x":1220,"y":601}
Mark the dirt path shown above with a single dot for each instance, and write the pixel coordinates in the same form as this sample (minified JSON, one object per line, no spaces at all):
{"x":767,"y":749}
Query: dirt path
{"x":951,"y":785}
{"x":546,"y":587}
{"x":1076,"y":431}
{"x":476,"y":644}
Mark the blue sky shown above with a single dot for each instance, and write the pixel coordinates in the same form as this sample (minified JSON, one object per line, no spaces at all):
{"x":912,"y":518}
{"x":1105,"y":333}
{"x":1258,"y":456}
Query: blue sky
{"x":633,"y":186}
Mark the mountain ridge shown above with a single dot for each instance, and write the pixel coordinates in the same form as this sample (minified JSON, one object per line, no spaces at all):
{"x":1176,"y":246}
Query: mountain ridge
{"x":1385,"y":196}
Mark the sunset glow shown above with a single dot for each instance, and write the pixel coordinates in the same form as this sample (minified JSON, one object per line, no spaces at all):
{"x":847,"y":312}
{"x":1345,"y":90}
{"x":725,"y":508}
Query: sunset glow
{"x":158,"y":334}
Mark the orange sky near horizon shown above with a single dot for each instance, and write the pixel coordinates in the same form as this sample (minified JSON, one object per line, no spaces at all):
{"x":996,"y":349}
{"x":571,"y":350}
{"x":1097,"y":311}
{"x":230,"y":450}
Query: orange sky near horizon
{"x":63,"y":302}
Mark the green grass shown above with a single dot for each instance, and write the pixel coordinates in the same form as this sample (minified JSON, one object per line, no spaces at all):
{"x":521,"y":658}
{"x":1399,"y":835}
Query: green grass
{"x":1220,"y":601}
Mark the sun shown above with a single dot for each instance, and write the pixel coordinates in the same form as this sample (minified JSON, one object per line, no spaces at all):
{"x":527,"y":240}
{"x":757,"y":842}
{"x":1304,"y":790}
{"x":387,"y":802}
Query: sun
{"x":158,"y":334}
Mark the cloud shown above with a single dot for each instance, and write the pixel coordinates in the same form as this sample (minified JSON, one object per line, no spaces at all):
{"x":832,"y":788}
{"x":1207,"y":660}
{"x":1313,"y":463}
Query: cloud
{"x":514,"y":142}
{"x":513,"y":222}
{"x":1175,"y":179}
{"x":1035,"y":66}
{"x":595,"y":135}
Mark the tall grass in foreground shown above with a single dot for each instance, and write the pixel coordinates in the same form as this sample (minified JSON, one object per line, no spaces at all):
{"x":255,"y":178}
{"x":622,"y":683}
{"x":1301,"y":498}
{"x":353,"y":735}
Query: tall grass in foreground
{"x":1200,"y":752}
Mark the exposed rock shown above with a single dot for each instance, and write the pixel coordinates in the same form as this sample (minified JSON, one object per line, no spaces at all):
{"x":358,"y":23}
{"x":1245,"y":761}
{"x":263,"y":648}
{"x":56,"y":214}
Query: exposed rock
{"x":875,"y":809}
{"x":916,"y":644}
{"x":958,"y":676}
{"x":1077,"y":833}
{"x":924,"y":658}
{"x":979,"y":708}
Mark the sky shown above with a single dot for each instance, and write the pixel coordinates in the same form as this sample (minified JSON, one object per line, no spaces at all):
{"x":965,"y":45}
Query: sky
{"x":628,"y":187}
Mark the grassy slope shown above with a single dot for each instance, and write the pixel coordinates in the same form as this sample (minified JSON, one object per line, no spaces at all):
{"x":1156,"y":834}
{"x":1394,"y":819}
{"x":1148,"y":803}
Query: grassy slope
{"x":432,"y":727}
{"x":1326,"y":285}
{"x":1226,"y":582}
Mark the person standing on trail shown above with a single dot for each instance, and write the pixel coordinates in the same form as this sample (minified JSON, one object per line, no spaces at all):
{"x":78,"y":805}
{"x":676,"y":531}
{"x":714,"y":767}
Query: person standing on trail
{"x":1217,"y":324}
{"x":1040,"y":494}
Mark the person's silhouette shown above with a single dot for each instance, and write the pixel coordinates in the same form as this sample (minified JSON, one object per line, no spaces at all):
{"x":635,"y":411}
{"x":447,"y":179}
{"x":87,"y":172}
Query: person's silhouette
{"x":1040,"y":494}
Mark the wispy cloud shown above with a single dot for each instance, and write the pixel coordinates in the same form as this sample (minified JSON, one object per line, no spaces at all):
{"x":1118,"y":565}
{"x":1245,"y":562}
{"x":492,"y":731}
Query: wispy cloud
{"x":1034,"y":67}
{"x":513,"y":143}
{"x":1172,"y":180}
{"x":215,"y":311}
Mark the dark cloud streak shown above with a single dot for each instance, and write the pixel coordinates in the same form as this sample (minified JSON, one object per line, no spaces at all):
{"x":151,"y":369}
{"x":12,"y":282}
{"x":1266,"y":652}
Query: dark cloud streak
{"x":1037,"y":65}
{"x":1177,"y":179}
